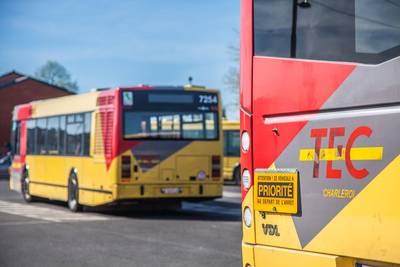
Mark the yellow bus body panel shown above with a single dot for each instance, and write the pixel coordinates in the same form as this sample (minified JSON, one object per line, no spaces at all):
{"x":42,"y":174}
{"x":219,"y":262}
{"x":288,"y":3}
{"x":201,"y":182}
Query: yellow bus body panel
{"x":175,"y":171}
{"x":230,"y":163}
{"x":280,"y":257}
{"x":340,"y":236}
{"x":374,"y":211}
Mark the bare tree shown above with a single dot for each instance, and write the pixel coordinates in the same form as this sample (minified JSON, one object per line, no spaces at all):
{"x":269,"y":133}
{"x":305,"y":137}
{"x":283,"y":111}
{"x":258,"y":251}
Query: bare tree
{"x":56,"y":74}
{"x":232,"y":77}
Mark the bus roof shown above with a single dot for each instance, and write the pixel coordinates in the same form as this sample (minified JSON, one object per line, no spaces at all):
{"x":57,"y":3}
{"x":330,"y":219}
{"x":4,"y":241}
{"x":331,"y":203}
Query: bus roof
{"x":88,"y":101}
{"x":230,"y":125}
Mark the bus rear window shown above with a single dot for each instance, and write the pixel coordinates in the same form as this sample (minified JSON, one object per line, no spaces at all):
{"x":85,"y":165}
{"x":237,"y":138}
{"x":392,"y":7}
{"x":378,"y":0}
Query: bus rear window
{"x":364,"y":31}
{"x":170,"y":125}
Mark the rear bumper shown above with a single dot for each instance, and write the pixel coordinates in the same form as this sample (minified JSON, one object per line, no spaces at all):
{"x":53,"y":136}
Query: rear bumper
{"x":260,"y":256}
{"x":148,"y":191}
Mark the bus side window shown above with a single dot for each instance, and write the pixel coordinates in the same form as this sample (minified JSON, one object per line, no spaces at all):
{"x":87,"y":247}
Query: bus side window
{"x":74,"y":135}
{"x":41,"y":132}
{"x":53,"y":124}
{"x":226,"y":143}
{"x":62,"y":135}
{"x":234,"y":144}
{"x":31,"y":141}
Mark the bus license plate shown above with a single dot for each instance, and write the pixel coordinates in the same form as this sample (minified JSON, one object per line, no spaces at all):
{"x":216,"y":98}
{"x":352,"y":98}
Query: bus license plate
{"x":170,"y":190}
{"x":276,"y":191}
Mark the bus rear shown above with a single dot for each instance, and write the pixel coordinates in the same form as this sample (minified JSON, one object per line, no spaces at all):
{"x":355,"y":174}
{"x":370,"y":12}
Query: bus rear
{"x":320,"y":94}
{"x":169,"y":143}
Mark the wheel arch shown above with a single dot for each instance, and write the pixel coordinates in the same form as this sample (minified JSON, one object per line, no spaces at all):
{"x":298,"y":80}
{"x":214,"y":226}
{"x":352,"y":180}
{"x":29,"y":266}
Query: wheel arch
{"x":73,"y":171}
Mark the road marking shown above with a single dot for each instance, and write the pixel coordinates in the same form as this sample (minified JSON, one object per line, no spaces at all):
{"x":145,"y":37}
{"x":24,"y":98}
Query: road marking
{"x":210,"y":209}
{"x":232,"y":194}
{"x":46,"y":214}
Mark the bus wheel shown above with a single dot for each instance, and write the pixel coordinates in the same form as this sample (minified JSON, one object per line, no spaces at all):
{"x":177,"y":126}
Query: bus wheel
{"x":73,"y":194}
{"x":25,"y":187}
{"x":236,"y":175}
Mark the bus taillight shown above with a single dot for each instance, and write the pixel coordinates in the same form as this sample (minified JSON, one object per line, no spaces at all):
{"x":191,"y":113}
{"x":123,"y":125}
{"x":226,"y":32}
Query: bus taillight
{"x":216,"y":166}
{"x":126,"y":167}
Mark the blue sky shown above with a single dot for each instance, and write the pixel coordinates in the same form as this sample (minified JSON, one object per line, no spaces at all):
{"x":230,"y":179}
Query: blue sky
{"x":112,"y":43}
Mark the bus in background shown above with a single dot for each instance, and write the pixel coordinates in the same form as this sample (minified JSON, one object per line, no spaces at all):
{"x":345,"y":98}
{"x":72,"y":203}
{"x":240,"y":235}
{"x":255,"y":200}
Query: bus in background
{"x":320,"y":116}
{"x":122,"y":144}
{"x":231,"y":151}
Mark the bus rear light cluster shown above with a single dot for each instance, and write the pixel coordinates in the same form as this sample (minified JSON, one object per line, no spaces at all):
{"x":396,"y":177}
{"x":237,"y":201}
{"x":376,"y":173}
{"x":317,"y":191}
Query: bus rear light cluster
{"x":216,"y":166}
{"x":246,"y":179}
{"x":247,"y":216}
{"x":245,"y":140}
{"x":126,"y":167}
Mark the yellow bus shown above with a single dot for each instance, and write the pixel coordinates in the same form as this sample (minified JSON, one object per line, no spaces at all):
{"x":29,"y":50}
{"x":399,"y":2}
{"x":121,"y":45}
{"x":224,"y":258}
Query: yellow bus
{"x":123,"y":144}
{"x":231,"y":151}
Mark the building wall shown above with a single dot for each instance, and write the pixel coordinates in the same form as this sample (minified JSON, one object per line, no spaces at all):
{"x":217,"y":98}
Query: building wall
{"x":21,"y":93}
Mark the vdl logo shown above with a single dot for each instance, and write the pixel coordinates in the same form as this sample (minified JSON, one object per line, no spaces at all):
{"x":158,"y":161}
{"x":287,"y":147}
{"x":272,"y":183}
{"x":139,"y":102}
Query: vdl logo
{"x":270,"y":229}
{"x":345,"y":152}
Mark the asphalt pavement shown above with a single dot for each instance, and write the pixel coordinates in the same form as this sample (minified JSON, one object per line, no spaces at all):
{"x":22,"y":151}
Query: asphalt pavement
{"x":46,"y":233}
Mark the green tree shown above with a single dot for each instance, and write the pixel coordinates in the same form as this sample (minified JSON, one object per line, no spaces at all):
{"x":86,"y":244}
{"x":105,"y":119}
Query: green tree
{"x":54,"y":73}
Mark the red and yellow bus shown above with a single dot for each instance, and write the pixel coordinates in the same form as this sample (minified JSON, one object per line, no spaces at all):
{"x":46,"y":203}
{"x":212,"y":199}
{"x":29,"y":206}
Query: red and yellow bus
{"x":122,"y":144}
{"x":320,"y":114}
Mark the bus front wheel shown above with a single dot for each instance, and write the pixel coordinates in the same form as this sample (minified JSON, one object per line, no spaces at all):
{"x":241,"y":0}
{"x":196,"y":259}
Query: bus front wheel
{"x":25,"y":187}
{"x":73,"y":194}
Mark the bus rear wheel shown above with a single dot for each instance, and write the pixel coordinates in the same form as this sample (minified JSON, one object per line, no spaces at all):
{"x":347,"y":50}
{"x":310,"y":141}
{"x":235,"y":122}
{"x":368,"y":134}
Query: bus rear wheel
{"x":73,"y":194}
{"x":236,"y":175}
{"x":25,"y":187}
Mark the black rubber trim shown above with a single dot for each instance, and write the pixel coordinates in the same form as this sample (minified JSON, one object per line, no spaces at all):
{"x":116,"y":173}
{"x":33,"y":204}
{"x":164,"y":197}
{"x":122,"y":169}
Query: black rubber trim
{"x":96,"y":190}
{"x":48,"y":184}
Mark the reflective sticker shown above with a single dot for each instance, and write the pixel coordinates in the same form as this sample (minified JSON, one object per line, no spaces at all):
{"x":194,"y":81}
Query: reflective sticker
{"x":276,"y":191}
{"x":127,"y":98}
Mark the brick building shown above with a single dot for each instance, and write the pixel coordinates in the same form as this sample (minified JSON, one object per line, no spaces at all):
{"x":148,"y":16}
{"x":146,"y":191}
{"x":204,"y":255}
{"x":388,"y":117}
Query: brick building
{"x":15,"y":89}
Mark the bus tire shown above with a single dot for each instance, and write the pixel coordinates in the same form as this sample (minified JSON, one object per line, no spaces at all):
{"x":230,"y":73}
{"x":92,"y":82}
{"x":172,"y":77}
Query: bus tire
{"x":25,"y":187}
{"x":73,"y":193}
{"x":236,"y":175}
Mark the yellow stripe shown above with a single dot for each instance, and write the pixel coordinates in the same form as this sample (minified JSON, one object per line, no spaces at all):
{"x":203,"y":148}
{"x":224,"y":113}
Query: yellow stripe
{"x":359,"y":153}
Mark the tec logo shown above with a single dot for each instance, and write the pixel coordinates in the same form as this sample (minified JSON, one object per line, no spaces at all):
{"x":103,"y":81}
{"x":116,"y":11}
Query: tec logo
{"x":344,"y":152}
